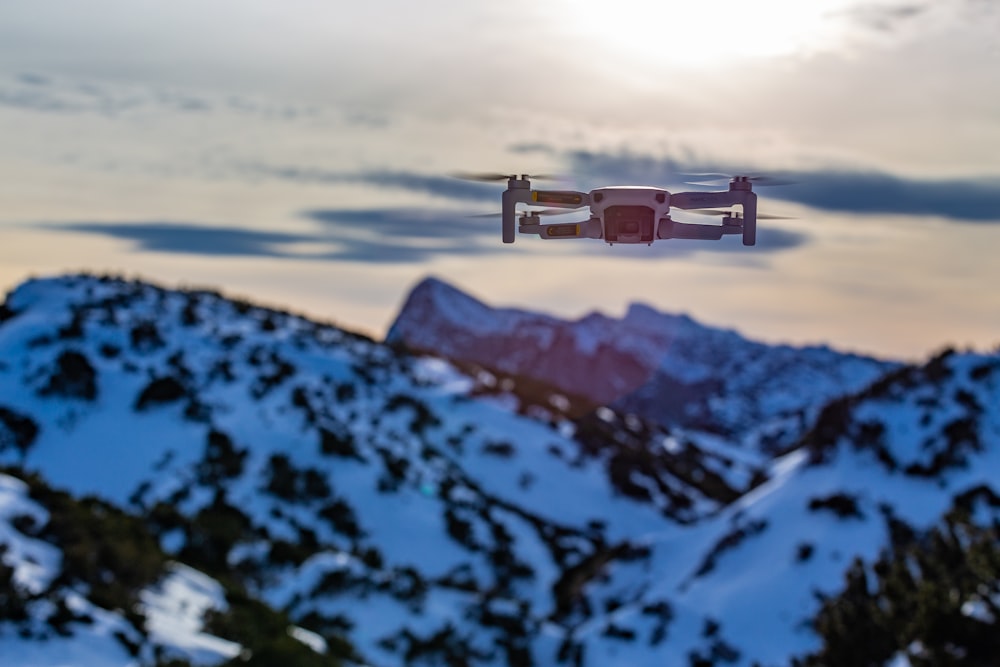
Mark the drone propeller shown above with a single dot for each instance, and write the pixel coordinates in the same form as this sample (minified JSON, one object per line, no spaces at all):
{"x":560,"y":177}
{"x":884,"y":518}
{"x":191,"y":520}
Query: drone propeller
{"x":527,"y":214}
{"x":723,"y":212}
{"x":698,"y":179}
{"x":489,"y":177}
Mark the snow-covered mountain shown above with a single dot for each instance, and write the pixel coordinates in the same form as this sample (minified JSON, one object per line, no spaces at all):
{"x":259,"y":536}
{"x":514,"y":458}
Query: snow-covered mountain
{"x":84,"y":583}
{"x":666,"y":368}
{"x":367,"y":506}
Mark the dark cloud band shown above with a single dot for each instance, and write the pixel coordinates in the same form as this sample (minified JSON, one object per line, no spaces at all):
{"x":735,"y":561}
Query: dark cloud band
{"x":383,"y":236}
{"x":434,"y":185}
{"x":843,"y":191}
{"x":861,"y":192}
{"x":190,"y":238}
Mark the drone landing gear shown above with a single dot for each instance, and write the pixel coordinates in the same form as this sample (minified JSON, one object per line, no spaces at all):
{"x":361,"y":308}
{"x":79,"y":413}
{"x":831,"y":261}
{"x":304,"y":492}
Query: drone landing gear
{"x":749,"y":232}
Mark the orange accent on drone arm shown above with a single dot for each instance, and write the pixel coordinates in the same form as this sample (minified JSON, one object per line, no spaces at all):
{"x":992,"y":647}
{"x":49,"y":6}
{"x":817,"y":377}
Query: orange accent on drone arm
{"x":557,"y":197}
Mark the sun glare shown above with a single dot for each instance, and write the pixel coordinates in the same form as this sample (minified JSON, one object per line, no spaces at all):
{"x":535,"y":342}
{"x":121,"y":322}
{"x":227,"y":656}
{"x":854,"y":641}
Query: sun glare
{"x":707,"y":33}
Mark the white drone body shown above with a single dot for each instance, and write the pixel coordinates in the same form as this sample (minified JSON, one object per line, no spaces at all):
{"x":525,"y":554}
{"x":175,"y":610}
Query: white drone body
{"x":630,"y":214}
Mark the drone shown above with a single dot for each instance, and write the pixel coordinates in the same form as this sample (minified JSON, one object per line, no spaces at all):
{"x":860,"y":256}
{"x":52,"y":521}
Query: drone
{"x":627,"y":214}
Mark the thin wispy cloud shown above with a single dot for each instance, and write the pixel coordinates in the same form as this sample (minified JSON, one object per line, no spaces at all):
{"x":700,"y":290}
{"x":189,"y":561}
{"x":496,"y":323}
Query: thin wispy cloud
{"x":37,"y":92}
{"x":440,"y":185}
{"x":386,"y":236}
{"x":885,"y":18}
{"x":406,"y":223}
{"x":895,"y":16}
{"x":381,"y":251}
{"x":190,"y":238}
{"x":405,"y":235}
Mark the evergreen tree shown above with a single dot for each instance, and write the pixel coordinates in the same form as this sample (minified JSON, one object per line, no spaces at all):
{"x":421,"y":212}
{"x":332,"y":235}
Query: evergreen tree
{"x":931,"y":596}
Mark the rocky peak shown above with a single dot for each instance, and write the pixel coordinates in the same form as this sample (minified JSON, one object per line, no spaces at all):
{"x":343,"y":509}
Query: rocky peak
{"x":665,"y":367}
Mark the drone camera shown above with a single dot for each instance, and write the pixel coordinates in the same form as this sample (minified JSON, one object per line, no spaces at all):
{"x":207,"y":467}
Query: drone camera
{"x":628,"y":224}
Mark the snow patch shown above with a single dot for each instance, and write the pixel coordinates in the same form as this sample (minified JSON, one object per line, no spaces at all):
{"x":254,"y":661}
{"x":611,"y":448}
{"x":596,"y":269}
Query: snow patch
{"x":175,"y":615}
{"x":309,"y":638}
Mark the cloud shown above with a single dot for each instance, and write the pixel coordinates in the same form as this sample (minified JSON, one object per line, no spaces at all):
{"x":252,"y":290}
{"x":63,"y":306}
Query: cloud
{"x":33,"y":79}
{"x":190,"y":238}
{"x":885,"y":18}
{"x":374,"y":236}
{"x":431,"y":184}
{"x":382,"y":235}
{"x":844,"y":191}
{"x":380,"y":251}
{"x":890,"y":18}
{"x":35,"y":96}
{"x":769,"y":241}
{"x":37,"y":92}
{"x":839,"y":190}
{"x":389,"y":236}
{"x":531,"y":147}
{"x":405,"y":234}
{"x":595,"y":169}
{"x":970,"y":200}
{"x":414,"y":223}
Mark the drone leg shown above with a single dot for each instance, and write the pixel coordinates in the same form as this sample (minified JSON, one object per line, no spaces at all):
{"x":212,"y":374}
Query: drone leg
{"x":509,"y":223}
{"x":518,"y":192}
{"x":750,"y":219}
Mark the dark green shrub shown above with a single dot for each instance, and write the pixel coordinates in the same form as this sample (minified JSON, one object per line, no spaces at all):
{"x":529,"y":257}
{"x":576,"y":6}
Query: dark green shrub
{"x":160,"y":391}
{"x":72,"y":377}
{"x":17,"y":430}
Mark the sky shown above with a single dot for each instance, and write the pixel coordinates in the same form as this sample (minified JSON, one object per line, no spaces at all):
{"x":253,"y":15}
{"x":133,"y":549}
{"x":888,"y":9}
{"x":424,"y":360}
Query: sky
{"x":302,"y":153}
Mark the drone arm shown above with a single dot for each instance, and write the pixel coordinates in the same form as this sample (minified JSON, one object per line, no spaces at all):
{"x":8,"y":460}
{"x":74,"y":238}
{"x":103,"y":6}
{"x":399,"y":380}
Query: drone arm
{"x":689,"y":200}
{"x":684,"y":230}
{"x":519,"y":192}
{"x":735,"y":195}
{"x":588,"y":229}
{"x":560,"y":198}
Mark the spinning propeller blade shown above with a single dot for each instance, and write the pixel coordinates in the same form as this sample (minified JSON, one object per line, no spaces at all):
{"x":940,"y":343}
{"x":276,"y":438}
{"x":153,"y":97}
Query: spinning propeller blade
{"x":723,"y":212}
{"x":704,"y":179}
{"x":489,"y":177}
{"x":544,"y":211}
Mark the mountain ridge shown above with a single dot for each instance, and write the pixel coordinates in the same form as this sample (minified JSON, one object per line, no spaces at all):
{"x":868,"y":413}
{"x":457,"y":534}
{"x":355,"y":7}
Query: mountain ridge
{"x":664,"y":367}
{"x":384,"y":503}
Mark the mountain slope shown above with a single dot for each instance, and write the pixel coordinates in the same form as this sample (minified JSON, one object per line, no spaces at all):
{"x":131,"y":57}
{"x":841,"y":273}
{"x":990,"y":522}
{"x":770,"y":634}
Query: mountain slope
{"x":81,"y":582}
{"x":382,"y":504}
{"x":666,"y":368}
{"x":324,"y":468}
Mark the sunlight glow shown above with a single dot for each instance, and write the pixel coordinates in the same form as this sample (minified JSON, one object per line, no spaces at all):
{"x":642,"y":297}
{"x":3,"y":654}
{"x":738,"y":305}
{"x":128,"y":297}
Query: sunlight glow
{"x":708,"y":33}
